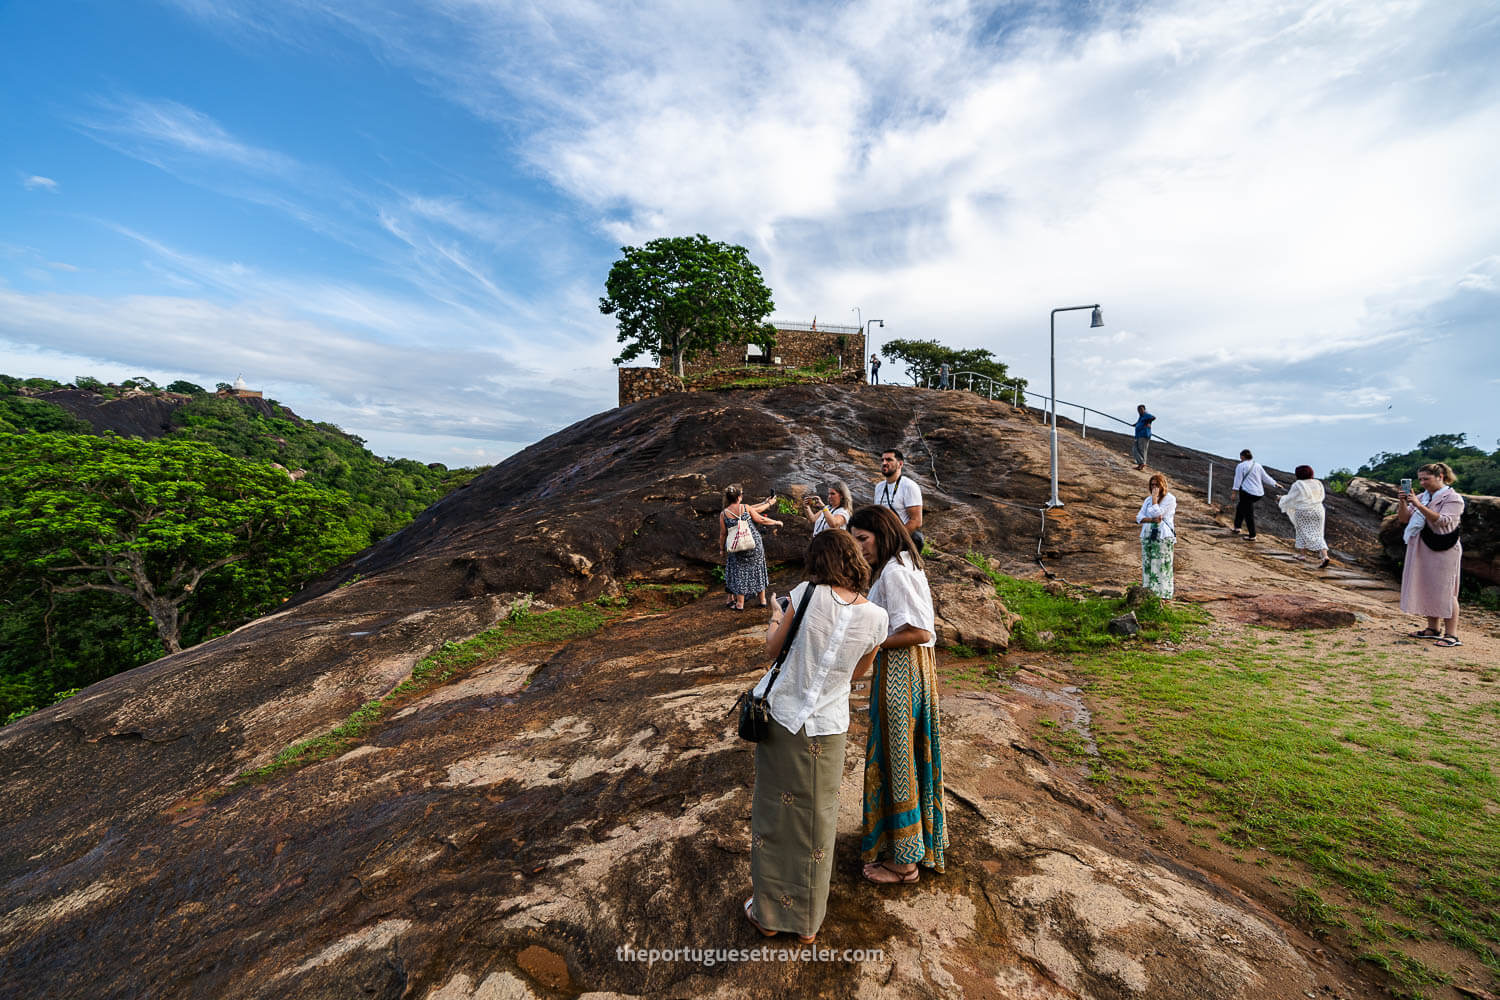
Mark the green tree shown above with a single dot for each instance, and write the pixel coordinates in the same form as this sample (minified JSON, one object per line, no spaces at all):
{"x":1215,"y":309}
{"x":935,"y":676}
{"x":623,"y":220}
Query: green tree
{"x":186,"y":388}
{"x":149,"y":520}
{"x":680,"y":297}
{"x":1477,"y":472}
{"x":923,"y":358}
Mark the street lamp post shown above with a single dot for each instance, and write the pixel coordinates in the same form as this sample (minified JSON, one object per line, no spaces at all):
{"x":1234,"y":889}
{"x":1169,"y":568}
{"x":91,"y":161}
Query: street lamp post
{"x":1097,"y":321}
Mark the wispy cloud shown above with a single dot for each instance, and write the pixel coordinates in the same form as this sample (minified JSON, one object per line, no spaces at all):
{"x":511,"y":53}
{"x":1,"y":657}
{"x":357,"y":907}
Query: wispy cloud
{"x":166,"y":128}
{"x":36,"y":182}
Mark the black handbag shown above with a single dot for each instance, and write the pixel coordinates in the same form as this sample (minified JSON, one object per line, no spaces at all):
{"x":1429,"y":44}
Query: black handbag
{"x":755,"y":711}
{"x":1437,"y":542}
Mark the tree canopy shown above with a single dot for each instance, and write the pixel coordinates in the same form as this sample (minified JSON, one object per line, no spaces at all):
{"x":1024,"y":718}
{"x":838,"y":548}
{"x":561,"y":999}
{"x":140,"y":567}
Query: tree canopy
{"x":149,"y":520}
{"x":680,"y":297}
{"x":1477,"y":471}
{"x":923,"y":358}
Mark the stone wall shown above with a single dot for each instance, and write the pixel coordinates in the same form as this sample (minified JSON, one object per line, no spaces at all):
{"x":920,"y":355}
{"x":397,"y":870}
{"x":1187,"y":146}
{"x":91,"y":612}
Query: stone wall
{"x":637,"y":384}
{"x":795,"y":348}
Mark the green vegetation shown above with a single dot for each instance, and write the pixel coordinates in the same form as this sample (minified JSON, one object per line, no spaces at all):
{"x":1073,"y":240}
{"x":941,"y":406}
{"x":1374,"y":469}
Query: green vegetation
{"x":176,"y":540}
{"x":1378,"y":795}
{"x":923,"y":358}
{"x":1477,"y":471}
{"x":682,"y":296}
{"x":520,"y":627}
{"x":1077,"y":622}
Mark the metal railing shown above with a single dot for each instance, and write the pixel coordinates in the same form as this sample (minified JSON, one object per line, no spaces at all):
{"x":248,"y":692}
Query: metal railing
{"x":818,"y":328}
{"x":992,"y":388}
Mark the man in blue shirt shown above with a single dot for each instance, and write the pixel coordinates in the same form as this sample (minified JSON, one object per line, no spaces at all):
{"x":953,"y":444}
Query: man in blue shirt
{"x":1142,"y":436}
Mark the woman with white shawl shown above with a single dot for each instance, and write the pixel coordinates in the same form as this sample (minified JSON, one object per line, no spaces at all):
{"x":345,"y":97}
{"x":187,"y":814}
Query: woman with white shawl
{"x":1303,"y":503}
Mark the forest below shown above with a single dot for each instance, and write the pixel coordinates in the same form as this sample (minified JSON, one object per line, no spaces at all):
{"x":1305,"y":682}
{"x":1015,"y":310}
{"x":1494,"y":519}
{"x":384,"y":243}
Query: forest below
{"x":115,"y":550}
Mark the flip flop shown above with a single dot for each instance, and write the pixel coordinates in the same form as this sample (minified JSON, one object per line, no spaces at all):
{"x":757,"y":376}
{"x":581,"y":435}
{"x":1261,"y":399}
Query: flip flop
{"x":756,"y":923}
{"x":1426,"y":633}
{"x":1448,"y":641}
{"x":897,"y":878}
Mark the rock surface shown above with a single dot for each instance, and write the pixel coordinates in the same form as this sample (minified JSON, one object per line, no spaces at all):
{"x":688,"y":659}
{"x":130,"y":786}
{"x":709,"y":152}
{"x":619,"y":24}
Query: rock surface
{"x":508,"y":833}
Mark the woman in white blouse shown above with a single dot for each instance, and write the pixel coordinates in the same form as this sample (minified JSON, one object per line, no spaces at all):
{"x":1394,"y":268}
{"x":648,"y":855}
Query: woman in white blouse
{"x":800,"y":765}
{"x":1303,"y":503}
{"x":905,"y":824}
{"x":833,"y":514}
{"x":1157,"y":519}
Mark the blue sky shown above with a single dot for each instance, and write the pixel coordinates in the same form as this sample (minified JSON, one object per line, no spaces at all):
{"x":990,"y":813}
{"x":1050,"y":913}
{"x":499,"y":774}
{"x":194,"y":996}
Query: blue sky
{"x":398,"y":217}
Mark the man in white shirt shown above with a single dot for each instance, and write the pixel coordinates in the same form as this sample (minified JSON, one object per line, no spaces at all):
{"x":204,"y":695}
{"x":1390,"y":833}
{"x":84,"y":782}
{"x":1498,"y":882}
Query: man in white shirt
{"x":1250,"y":482}
{"x":900,"y":493}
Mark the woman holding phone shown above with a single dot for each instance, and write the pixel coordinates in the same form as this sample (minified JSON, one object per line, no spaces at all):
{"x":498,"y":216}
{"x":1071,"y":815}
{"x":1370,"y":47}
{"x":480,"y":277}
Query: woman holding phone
{"x":833,"y":514}
{"x":744,"y":572}
{"x":1429,"y":580}
{"x":800,"y":765}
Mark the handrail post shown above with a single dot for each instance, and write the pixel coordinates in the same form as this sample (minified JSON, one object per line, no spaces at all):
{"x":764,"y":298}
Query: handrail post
{"x":1210,"y":482}
{"x":1085,"y":422}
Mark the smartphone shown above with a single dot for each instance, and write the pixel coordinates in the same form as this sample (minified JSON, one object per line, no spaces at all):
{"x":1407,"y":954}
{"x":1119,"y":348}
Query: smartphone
{"x":785,"y":602}
{"x":1406,"y":486}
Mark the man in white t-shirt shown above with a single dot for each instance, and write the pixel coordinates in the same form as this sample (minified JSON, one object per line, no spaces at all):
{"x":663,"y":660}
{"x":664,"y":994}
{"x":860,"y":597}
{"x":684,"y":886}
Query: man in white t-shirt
{"x":900,"y":492}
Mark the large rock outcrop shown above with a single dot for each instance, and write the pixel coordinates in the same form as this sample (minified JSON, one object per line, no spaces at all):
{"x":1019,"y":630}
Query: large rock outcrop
{"x":511,"y":832}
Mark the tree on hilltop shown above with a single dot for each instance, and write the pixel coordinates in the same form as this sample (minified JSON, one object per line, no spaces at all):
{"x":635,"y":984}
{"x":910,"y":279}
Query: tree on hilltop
{"x":680,"y":297}
{"x":923,"y":358}
{"x":149,"y":520}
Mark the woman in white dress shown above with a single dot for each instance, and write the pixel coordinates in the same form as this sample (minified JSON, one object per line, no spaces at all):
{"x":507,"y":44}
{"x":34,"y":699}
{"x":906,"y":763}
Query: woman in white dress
{"x":1303,"y":503}
{"x":1158,"y":521}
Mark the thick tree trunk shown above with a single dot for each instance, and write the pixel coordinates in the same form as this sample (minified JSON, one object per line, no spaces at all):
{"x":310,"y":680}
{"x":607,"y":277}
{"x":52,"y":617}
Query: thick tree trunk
{"x":164,"y":616}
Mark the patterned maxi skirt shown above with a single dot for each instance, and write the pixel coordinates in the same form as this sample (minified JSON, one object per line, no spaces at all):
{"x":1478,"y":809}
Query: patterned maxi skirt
{"x":793,"y":818}
{"x":904,"y":817}
{"x":1156,"y":566}
{"x":745,"y":572}
{"x":1309,"y":524}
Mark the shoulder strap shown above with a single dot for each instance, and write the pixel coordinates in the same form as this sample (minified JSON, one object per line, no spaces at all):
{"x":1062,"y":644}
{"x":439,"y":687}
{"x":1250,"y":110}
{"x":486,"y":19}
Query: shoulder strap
{"x":790,"y":636}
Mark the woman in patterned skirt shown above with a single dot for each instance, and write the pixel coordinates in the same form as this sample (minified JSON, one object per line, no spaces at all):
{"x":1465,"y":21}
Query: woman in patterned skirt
{"x":800,"y":764}
{"x":744,"y":572}
{"x":1157,"y":518}
{"x":905,"y":824}
{"x":1303,"y":503}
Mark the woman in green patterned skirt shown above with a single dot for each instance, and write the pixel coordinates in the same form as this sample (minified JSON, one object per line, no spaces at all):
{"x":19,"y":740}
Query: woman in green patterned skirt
{"x":905,"y":824}
{"x":1158,"y":537}
{"x":800,"y":764}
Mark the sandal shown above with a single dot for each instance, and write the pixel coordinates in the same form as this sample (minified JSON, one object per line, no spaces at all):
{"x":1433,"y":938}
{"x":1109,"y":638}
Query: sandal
{"x":1324,"y":564}
{"x":895,"y":877}
{"x":1426,"y":633}
{"x":756,"y":923}
{"x":1448,"y":641}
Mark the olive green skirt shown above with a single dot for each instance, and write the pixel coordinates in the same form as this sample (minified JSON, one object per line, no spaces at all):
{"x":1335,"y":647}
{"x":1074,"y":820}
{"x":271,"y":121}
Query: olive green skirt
{"x":793,"y":819}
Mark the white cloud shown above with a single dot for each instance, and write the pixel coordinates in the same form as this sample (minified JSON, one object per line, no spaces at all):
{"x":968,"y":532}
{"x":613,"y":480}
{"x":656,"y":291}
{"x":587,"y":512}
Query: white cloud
{"x":36,"y":182}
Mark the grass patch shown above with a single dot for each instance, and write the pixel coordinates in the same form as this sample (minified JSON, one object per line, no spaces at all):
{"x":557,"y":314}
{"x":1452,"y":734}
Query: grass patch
{"x":520,"y":627}
{"x":1366,"y":783}
{"x":1075,"y":623}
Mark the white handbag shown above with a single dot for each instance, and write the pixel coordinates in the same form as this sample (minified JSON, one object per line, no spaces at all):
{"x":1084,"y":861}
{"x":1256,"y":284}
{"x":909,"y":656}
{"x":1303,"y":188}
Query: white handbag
{"x":741,"y":538}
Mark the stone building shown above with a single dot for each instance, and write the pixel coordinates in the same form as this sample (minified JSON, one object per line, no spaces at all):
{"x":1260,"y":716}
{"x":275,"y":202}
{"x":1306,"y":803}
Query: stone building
{"x":841,"y":349}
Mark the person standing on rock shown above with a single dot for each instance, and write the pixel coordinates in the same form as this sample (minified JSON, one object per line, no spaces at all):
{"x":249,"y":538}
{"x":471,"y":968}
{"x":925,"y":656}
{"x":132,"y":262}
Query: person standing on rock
{"x":874,"y":369}
{"x":1142,"y":443}
{"x":1429,"y":579}
{"x":905,"y":822}
{"x":835,"y":513}
{"x":943,"y":375}
{"x":899,"y":492}
{"x":800,"y":765}
{"x":1157,"y":518}
{"x":1250,"y":482}
{"x":1303,"y":503}
{"x":744,"y":572}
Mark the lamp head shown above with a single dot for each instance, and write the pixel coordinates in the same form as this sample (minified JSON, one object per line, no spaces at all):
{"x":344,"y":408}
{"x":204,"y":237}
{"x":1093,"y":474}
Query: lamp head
{"x":1098,"y":319}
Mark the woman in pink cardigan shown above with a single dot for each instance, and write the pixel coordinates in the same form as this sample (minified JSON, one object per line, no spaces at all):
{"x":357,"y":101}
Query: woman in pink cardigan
{"x":1429,"y":581}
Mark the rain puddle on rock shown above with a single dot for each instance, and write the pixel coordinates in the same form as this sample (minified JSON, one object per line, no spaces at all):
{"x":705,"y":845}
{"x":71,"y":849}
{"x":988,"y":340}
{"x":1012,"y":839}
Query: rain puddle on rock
{"x":1076,"y":719}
